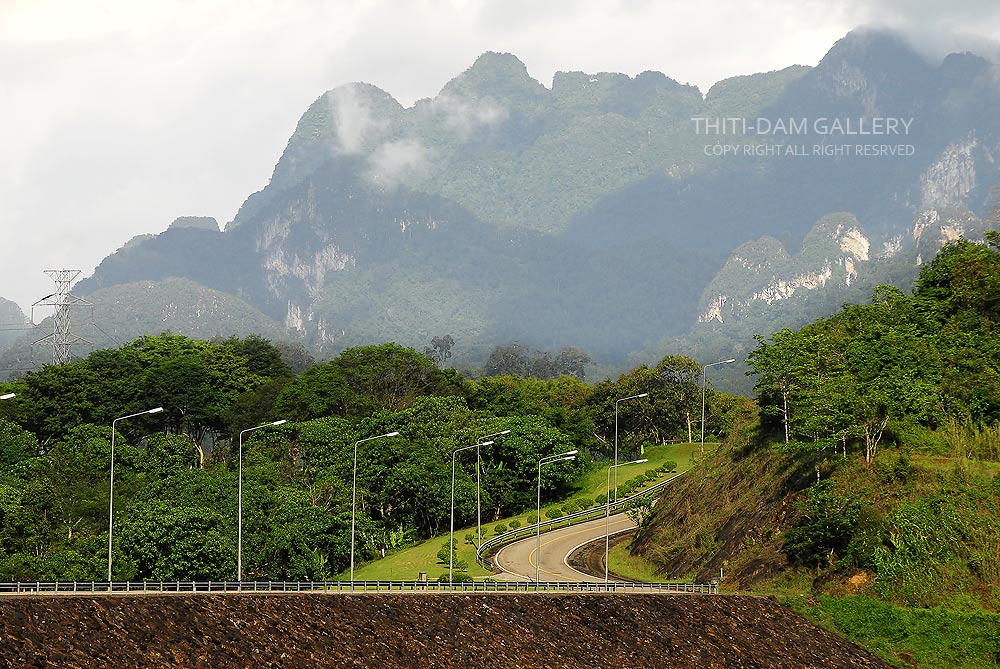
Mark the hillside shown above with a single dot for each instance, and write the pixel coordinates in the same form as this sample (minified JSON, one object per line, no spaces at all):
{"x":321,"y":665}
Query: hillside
{"x":901,"y":558}
{"x":11,"y":321}
{"x":462,"y":631}
{"x":124,"y":312}
{"x":739,"y":511}
{"x":869,"y":480}
{"x":592,"y":213}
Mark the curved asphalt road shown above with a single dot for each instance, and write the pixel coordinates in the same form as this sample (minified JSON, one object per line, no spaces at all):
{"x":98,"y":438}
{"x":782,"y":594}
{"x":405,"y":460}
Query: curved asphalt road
{"x":517,"y":561}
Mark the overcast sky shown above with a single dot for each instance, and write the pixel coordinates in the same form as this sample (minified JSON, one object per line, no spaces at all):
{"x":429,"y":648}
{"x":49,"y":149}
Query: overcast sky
{"x":120,"y":115}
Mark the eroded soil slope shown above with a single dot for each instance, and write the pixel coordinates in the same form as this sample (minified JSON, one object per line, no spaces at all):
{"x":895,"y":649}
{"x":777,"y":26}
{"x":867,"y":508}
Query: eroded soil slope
{"x":414,"y":630}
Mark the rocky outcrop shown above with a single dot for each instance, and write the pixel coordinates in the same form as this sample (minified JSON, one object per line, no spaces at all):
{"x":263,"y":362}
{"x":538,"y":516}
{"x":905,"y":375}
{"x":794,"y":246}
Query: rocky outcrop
{"x":952,"y":177}
{"x":762,"y":272}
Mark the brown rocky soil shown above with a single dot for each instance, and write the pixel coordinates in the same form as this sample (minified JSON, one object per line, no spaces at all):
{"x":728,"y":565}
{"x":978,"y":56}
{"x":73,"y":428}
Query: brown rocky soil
{"x":415,"y":630}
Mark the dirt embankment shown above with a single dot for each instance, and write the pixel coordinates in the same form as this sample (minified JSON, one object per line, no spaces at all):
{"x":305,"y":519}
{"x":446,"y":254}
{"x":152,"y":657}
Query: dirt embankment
{"x":729,"y":514}
{"x":415,"y":630}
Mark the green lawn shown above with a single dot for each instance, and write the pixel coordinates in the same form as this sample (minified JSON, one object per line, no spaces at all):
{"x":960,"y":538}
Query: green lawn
{"x":634,"y":567}
{"x":422,"y":557}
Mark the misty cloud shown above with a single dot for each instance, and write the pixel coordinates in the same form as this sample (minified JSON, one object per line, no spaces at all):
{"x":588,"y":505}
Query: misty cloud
{"x":398,"y":162}
{"x":935,"y":29}
{"x":465,"y":116}
{"x":356,"y":125}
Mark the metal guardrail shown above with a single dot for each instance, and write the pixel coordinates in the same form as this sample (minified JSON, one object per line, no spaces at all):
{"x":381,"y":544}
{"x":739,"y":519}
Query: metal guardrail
{"x":141,"y":587}
{"x":578,"y":517}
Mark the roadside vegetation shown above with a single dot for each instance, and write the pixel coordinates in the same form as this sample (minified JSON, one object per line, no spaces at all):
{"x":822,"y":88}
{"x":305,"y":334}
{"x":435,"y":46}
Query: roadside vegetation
{"x":176,"y":471}
{"x":590,"y":491}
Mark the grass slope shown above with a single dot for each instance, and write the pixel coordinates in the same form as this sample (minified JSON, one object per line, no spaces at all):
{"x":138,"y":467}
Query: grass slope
{"x":913,"y":575}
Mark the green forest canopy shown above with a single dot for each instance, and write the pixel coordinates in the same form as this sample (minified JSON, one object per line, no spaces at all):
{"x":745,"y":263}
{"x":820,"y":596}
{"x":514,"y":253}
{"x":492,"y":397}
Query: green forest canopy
{"x":175,"y":471}
{"x":872,"y":370}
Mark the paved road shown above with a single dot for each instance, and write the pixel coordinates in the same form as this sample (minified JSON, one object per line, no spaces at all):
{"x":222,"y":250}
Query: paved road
{"x":517,"y":560}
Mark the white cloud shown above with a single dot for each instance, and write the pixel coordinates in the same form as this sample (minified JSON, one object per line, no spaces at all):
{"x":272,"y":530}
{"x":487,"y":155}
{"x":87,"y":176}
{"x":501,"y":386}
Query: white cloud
{"x":463,"y":117}
{"x":119,"y":115}
{"x":356,"y":125}
{"x":397,"y":162}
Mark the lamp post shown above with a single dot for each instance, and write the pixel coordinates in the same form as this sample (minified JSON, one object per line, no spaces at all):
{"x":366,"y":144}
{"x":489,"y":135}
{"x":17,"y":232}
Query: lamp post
{"x":607,"y":514}
{"x":630,"y":397}
{"x":548,"y":459}
{"x":354,"y":491}
{"x":704,"y":370}
{"x":111,"y":492}
{"x":239,"y":502}
{"x":451,"y":545}
{"x":479,"y":467}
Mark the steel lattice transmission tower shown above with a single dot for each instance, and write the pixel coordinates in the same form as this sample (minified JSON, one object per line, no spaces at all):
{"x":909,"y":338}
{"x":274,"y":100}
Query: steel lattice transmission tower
{"x":62,"y":338}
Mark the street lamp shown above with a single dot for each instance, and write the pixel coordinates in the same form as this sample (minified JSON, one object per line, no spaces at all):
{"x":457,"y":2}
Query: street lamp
{"x":354,"y":491}
{"x":111,"y":492}
{"x":239,"y":503}
{"x":630,"y":397}
{"x":8,"y":396}
{"x":607,"y":514}
{"x":479,"y":467}
{"x":548,"y":459}
{"x":451,"y":545}
{"x":703,"y":373}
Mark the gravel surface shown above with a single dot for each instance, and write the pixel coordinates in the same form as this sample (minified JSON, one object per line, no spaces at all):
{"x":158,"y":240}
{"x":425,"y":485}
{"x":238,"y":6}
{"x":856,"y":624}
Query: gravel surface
{"x":415,"y":630}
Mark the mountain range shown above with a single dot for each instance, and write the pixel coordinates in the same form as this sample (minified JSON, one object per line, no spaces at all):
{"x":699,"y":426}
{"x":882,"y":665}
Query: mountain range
{"x":627,"y":216}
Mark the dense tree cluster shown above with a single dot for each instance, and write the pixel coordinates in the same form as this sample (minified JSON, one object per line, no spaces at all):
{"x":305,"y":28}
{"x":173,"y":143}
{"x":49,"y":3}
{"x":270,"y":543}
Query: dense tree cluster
{"x":868,"y":372}
{"x":517,"y":359}
{"x":175,"y":507}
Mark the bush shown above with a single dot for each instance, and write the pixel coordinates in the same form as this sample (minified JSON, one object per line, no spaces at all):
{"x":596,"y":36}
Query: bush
{"x":570,"y":507}
{"x":470,"y":538}
{"x":553,"y":513}
{"x":894,"y":470}
{"x":825,"y":528}
{"x":442,"y":555}
{"x":601,"y":500}
{"x":514,"y":524}
{"x":499,"y":529}
{"x":585,"y":503}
